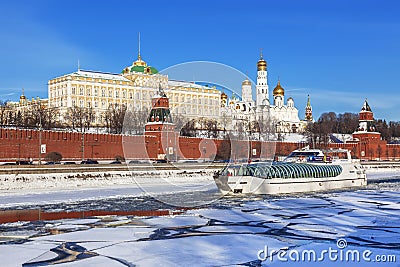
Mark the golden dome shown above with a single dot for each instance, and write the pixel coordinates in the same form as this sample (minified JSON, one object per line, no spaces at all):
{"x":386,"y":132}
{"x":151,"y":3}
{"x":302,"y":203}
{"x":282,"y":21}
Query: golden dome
{"x":278,"y":90}
{"x":139,"y":62}
{"x":246,"y":82}
{"x":224,"y":96}
{"x":261,"y":64}
{"x":22,"y":97}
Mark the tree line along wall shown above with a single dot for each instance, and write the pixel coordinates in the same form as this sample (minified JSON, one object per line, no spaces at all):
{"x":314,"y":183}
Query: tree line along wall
{"x":23,"y":144}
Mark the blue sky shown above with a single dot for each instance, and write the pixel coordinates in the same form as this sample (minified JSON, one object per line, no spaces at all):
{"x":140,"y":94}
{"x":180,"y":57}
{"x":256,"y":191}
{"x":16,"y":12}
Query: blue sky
{"x":339,"y":52}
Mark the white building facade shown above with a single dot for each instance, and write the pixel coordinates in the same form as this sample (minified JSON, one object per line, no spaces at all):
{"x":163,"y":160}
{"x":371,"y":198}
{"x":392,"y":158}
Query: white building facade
{"x":132,"y":89}
{"x":281,"y":115}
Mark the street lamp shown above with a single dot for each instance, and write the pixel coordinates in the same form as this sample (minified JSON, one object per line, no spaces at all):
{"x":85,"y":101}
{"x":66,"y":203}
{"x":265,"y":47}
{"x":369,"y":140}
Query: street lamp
{"x":83,"y":144}
{"x":40,"y":133}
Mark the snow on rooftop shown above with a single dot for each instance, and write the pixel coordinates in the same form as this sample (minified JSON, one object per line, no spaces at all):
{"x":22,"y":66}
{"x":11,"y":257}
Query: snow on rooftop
{"x":99,"y":75}
{"x":294,"y":137}
{"x":175,"y":83}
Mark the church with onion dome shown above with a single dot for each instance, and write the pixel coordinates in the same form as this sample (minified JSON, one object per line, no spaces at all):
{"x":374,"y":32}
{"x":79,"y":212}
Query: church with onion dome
{"x":278,"y":112}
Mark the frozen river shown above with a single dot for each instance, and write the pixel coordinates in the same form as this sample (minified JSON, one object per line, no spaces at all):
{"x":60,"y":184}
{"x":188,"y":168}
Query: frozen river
{"x":340,"y":228}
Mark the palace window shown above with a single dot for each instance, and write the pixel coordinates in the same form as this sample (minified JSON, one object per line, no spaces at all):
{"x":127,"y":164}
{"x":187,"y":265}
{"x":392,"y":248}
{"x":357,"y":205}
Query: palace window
{"x":103,"y":92}
{"x":88,"y":92}
{"x":81,"y":90}
{"x":116,"y":93}
{"x":73,"y":90}
{"x":95,"y":91}
{"x":96,"y":104}
{"x":130,"y":95}
{"x":109,"y":93}
{"x":123,"y":94}
{"x":81,"y":103}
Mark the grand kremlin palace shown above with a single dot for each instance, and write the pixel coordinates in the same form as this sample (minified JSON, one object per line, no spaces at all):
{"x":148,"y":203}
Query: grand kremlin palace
{"x":133,"y":88}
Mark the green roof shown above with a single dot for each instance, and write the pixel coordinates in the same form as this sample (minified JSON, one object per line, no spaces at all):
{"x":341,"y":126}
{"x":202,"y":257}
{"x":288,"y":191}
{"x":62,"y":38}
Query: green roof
{"x":142,"y":69}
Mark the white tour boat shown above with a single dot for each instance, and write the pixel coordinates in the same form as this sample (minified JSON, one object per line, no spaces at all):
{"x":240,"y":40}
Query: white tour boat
{"x":304,"y":170}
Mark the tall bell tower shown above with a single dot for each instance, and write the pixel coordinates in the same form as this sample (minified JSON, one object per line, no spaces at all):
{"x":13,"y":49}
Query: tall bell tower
{"x":262,"y":81}
{"x":308,"y":116}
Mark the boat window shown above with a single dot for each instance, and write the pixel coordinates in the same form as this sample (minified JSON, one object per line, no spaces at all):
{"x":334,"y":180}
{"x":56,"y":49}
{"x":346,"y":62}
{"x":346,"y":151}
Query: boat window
{"x":303,"y":154}
{"x":285,"y":170}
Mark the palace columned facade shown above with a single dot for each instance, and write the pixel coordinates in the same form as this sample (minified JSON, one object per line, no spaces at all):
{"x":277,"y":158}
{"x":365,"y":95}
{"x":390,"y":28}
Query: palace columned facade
{"x":133,"y":89}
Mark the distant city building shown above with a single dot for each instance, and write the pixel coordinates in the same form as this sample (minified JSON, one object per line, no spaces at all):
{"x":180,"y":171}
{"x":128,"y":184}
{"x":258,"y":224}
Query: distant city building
{"x":24,"y":103}
{"x":19,"y":113}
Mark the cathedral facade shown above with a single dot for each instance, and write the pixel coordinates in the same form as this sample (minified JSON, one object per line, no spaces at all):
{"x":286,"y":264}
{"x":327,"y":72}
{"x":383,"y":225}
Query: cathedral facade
{"x":280,"y":115}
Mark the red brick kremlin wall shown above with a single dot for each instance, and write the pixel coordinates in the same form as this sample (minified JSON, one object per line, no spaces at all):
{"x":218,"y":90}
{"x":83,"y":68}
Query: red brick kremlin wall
{"x":24,"y":144}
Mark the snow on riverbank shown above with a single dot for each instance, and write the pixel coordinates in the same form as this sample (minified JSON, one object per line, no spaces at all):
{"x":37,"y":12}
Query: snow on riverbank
{"x":49,"y":181}
{"x":40,"y":189}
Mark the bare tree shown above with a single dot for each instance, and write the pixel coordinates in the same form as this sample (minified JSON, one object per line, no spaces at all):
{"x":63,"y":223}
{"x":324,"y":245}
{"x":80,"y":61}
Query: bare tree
{"x":179,"y":121}
{"x":37,"y":115}
{"x":240,"y":129}
{"x":189,"y":129}
{"x":114,"y":118}
{"x":211,"y":126}
{"x":79,"y":118}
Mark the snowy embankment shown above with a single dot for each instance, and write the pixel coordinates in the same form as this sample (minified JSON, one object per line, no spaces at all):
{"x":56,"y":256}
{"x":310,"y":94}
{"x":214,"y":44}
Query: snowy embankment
{"x":66,"y":181}
{"x":41,"y":189}
{"x":376,"y":174}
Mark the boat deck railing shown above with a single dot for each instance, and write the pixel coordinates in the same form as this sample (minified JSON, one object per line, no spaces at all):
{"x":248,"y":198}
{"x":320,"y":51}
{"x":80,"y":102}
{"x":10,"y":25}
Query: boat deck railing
{"x":290,"y":170}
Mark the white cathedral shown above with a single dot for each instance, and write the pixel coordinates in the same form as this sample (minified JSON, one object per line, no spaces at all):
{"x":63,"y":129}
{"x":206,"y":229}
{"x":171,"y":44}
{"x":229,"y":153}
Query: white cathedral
{"x":283,"y":117}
